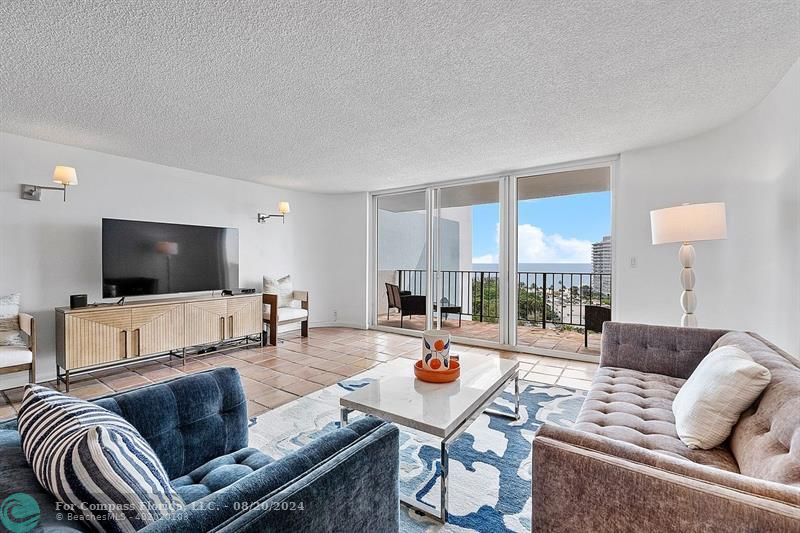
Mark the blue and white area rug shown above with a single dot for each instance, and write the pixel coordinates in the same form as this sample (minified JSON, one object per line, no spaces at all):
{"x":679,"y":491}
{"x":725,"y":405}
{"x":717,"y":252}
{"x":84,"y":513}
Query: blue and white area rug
{"x":490,"y":463}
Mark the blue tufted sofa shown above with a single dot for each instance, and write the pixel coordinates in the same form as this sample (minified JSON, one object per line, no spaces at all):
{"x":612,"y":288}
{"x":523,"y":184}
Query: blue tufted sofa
{"x":346,"y":480}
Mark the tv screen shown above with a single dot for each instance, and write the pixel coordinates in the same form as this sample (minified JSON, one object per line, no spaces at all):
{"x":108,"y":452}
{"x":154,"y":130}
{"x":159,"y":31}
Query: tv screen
{"x":142,"y":258}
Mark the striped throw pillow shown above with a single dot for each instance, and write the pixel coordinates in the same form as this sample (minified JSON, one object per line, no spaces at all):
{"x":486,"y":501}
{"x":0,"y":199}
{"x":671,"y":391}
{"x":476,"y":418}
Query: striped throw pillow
{"x":89,"y":457}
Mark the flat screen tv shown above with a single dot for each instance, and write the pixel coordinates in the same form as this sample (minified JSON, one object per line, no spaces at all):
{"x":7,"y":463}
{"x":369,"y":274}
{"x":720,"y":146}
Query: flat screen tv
{"x":141,"y":258}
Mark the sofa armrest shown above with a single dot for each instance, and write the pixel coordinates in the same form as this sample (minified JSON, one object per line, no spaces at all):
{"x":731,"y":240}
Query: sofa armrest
{"x":26,"y":323}
{"x":585,"y":482}
{"x":28,"y":326}
{"x":300,"y":296}
{"x":346,"y":480}
{"x":270,"y":300}
{"x":667,"y":350}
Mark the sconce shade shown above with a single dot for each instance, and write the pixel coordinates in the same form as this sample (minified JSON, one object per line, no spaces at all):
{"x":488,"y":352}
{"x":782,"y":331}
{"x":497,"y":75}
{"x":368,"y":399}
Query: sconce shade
{"x":65,"y":175}
{"x":689,"y":223}
{"x":283,"y":208}
{"x":167,"y":247}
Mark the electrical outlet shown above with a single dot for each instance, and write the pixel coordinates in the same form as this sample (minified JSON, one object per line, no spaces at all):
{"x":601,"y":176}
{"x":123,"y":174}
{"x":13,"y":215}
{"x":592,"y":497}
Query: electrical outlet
{"x":633,"y":261}
{"x":335,"y":316}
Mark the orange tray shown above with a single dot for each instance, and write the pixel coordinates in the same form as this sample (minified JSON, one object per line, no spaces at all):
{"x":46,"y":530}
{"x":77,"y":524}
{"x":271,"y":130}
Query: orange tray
{"x":438,"y":376}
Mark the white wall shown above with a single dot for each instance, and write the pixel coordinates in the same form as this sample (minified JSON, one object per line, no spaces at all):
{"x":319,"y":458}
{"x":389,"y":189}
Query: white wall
{"x":51,"y":249}
{"x":749,"y":281}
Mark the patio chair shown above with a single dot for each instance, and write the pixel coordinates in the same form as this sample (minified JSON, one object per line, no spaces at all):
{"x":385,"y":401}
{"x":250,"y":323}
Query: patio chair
{"x":405,"y":302}
{"x":595,"y":316}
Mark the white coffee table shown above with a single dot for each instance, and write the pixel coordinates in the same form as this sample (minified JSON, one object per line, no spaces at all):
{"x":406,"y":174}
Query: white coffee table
{"x":443,"y":410}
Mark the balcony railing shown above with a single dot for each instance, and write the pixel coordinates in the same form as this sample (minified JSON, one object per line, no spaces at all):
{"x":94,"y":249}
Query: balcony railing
{"x":557,"y":298}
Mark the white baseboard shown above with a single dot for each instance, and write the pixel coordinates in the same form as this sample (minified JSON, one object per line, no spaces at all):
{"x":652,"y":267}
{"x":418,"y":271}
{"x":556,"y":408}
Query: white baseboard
{"x":336,"y":325}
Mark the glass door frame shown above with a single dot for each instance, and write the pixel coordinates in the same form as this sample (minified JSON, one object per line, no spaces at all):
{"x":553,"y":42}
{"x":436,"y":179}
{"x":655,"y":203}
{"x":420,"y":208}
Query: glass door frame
{"x":508,"y":253}
{"x":435,"y":273}
{"x":431,"y":244}
{"x":513,"y":266}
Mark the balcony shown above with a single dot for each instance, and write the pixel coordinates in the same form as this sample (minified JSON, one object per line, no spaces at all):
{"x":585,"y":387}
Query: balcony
{"x":551,"y":306}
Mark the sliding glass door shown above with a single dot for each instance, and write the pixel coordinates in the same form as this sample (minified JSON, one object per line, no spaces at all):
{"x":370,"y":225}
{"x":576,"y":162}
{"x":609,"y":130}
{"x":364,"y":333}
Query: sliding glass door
{"x":520,"y":261}
{"x":563,"y":276}
{"x":401,"y":250}
{"x":467,"y":260}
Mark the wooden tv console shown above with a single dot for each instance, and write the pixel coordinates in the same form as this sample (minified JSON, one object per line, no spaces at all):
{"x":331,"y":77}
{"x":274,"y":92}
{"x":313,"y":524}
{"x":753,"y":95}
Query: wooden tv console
{"x":107,"y":335}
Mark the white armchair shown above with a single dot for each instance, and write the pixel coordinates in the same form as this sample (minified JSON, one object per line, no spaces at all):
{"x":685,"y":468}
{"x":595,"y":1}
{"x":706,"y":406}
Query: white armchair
{"x":21,"y":358}
{"x":277,"y":316}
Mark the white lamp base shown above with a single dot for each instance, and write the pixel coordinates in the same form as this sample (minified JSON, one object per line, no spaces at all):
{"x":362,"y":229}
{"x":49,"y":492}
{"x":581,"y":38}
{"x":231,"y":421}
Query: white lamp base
{"x":686,"y":256}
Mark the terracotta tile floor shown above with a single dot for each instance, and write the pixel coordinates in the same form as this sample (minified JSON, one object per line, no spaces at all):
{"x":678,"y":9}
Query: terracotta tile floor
{"x":275,"y":375}
{"x":549,"y":338}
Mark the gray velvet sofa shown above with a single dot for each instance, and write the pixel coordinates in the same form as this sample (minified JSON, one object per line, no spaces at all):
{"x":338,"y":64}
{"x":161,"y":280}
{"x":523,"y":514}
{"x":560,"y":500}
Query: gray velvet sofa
{"x":622,"y":467}
{"x":345,"y":480}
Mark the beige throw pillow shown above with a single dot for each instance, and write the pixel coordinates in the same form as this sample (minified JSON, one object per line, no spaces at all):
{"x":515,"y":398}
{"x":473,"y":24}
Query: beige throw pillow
{"x":725,"y":383}
{"x":282,"y":287}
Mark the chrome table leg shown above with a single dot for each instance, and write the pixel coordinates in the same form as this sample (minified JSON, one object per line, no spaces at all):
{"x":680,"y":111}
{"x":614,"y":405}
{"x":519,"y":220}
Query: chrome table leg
{"x":445,"y":464}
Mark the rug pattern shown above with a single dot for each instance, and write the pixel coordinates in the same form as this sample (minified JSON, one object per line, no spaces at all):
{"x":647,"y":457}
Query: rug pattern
{"x":494,"y":452}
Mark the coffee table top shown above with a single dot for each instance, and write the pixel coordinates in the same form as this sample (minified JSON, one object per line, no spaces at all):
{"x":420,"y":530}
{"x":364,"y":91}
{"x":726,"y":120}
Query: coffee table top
{"x":435,"y":408}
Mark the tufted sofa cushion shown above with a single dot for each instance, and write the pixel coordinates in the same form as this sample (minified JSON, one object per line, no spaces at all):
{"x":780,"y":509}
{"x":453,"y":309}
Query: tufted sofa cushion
{"x":636,"y":407}
{"x":766,"y":440}
{"x":219,"y":473}
{"x":188,"y":421}
{"x":666,"y":350}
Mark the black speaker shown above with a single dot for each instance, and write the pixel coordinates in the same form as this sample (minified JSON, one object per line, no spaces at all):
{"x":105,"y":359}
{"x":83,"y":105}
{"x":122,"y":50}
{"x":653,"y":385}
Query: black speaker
{"x":77,"y":300}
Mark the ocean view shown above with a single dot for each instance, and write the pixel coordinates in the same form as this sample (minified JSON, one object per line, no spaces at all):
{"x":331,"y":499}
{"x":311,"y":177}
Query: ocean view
{"x":585,"y":268}
{"x":560,"y":274}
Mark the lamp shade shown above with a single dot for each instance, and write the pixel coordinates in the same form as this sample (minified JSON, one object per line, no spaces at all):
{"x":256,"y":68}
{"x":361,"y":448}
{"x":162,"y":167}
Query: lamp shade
{"x":689,"y":223}
{"x":65,"y":175}
{"x":167,"y":247}
{"x":283,"y":208}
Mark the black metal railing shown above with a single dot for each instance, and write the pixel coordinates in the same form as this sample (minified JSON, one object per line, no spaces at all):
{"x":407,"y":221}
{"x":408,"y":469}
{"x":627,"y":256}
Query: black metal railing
{"x":543,"y":297}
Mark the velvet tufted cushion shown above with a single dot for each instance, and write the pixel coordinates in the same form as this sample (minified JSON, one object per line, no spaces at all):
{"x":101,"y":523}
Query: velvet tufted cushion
{"x":219,"y":473}
{"x":188,"y":421}
{"x":666,"y":350}
{"x":636,"y":407}
{"x":766,"y":440}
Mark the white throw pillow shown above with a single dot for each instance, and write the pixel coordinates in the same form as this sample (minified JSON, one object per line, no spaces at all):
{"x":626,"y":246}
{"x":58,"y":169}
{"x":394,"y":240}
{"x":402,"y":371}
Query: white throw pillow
{"x":725,"y":383}
{"x":282,"y":287}
{"x":10,"y":334}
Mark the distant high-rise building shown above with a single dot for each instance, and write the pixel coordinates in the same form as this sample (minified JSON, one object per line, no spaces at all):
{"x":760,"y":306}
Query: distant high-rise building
{"x":601,"y":264}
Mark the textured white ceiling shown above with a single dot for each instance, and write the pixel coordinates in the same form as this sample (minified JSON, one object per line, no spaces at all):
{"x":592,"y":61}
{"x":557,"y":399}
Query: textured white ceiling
{"x":357,"y":95}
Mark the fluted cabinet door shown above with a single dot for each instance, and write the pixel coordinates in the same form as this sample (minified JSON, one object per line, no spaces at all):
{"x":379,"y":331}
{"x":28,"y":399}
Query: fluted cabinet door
{"x":205,"y":321}
{"x":157,"y":329}
{"x":97,"y":337}
{"x":244,"y":316}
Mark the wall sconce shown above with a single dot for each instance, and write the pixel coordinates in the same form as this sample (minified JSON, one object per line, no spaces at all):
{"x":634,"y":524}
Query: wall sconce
{"x":283,"y":209}
{"x":63,"y":175}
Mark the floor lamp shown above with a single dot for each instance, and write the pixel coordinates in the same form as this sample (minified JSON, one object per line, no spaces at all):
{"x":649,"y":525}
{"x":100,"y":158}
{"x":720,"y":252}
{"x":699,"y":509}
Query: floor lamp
{"x":685,"y":224}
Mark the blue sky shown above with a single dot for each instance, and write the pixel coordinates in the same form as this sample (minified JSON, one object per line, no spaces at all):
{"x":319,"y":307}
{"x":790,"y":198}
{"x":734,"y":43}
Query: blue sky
{"x":551,"y":230}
